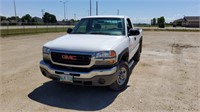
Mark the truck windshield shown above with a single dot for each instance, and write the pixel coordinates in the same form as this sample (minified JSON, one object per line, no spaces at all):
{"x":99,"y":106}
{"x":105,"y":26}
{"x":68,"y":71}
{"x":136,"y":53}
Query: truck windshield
{"x":102,"y":26}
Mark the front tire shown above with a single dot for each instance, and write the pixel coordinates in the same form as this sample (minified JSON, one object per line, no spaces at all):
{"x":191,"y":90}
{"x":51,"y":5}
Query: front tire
{"x":122,"y":78}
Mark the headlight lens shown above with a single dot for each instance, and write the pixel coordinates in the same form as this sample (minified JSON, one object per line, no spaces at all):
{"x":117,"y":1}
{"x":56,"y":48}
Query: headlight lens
{"x":105,"y":58}
{"x":105,"y":54}
{"x":46,"y":50}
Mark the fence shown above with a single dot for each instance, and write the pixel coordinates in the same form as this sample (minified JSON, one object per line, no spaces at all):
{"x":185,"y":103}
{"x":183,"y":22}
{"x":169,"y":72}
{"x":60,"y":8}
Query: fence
{"x":8,"y":30}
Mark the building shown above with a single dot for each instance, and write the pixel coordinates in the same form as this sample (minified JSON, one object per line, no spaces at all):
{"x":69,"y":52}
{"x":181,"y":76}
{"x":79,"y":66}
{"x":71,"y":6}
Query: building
{"x":38,"y":20}
{"x":188,"y":21}
{"x":178,"y":22}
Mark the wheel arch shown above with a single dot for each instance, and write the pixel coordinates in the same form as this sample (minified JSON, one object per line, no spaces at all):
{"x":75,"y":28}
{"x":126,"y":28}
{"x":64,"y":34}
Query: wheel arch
{"x":124,"y":55}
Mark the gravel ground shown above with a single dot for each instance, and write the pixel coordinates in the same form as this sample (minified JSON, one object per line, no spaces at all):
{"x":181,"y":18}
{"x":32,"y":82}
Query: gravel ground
{"x":166,"y":78}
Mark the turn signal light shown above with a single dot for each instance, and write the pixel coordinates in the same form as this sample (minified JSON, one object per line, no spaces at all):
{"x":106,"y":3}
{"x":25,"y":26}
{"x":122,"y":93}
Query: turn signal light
{"x":112,"y":61}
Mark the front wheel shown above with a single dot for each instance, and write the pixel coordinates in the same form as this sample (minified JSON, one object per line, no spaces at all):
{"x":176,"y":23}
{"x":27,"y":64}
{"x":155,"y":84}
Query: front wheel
{"x":122,"y":78}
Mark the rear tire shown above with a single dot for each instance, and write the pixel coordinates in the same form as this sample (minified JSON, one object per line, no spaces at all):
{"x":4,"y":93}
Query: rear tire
{"x":123,"y":73}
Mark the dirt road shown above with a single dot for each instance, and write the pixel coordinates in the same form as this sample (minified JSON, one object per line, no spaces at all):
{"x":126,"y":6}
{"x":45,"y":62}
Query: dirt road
{"x":166,"y":79}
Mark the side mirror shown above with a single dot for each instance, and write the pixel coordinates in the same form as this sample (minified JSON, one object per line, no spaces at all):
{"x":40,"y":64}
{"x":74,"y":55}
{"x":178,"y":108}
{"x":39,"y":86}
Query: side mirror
{"x":134,"y":32}
{"x":69,"y":30}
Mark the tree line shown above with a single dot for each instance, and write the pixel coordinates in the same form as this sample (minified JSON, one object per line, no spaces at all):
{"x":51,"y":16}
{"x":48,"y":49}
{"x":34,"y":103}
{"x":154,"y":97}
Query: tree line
{"x":160,"y":22}
{"x":27,"y":19}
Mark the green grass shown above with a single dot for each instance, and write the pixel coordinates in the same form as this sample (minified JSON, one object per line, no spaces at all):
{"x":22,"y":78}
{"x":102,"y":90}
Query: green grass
{"x":27,"y":31}
{"x":30,"y":31}
{"x":172,"y":30}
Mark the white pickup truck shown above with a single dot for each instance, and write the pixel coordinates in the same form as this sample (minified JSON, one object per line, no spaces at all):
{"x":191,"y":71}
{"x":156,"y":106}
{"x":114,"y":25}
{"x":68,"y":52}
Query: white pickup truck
{"x":97,"y":52}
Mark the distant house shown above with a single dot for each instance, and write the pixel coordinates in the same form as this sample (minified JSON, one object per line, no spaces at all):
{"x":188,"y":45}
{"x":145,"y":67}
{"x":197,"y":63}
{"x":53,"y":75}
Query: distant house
{"x":188,"y":21}
{"x":61,"y":23}
{"x":38,"y":20}
{"x":4,"y":22}
{"x":178,"y":22}
{"x":191,"y":21}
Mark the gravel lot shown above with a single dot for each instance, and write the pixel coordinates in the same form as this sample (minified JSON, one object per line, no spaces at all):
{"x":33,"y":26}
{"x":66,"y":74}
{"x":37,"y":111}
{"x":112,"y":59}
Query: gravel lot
{"x":166,"y":79}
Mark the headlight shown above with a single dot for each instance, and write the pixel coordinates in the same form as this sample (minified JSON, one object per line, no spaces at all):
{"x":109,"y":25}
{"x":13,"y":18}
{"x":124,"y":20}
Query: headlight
{"x":105,"y":54}
{"x":46,"y":50}
{"x":105,"y":58}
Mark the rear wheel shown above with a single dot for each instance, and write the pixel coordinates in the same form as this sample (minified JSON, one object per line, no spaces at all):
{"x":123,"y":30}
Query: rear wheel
{"x":122,"y":78}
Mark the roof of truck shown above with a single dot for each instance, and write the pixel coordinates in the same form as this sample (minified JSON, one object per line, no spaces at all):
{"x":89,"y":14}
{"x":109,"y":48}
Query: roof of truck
{"x":106,"y":16}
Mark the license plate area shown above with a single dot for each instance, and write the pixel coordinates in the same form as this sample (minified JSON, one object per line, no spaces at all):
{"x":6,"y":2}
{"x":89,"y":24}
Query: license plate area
{"x":66,"y":78}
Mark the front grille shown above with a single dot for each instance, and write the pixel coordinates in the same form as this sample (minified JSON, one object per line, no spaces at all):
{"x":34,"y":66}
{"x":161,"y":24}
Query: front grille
{"x":80,"y":59}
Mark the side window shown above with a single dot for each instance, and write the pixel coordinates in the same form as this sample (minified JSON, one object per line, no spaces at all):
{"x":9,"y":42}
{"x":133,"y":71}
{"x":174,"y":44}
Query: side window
{"x":129,"y":26}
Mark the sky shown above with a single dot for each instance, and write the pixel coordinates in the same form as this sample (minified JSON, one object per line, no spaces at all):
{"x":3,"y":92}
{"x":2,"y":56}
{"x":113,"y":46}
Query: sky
{"x":140,"y":11}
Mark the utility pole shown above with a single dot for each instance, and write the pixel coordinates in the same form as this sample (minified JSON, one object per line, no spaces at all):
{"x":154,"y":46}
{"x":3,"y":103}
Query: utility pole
{"x":42,"y":12}
{"x":15,"y":12}
{"x":42,"y":15}
{"x":90,"y":8}
{"x":64,"y":2}
{"x":117,"y":11}
{"x":74,"y":17}
{"x":97,"y":8}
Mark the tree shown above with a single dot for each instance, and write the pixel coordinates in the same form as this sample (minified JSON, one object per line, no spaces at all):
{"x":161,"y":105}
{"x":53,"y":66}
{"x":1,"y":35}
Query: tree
{"x":49,"y":18}
{"x":161,"y":22}
{"x":158,"y":21}
{"x":26,"y":18}
{"x":33,"y":20}
{"x":154,"y":21}
{"x":3,"y":18}
{"x":53,"y":19}
{"x":13,"y":18}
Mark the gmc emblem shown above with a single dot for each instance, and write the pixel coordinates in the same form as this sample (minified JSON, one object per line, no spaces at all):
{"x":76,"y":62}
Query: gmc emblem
{"x":68,"y":57}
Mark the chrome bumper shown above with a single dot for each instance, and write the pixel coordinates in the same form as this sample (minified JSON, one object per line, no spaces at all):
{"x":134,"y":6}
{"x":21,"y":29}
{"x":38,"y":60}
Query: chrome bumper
{"x":83,"y":75}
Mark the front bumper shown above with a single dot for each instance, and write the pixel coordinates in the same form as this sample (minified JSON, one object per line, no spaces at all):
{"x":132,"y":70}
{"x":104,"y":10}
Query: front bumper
{"x":96,"y":77}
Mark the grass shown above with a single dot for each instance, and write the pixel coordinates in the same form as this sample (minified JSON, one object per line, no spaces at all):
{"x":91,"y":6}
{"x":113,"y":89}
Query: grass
{"x":27,"y":31}
{"x":172,"y":30}
{"x":30,"y":31}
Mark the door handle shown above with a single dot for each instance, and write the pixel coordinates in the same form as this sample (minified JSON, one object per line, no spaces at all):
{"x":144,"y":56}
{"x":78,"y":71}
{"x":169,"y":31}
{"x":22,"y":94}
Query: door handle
{"x":134,"y":38}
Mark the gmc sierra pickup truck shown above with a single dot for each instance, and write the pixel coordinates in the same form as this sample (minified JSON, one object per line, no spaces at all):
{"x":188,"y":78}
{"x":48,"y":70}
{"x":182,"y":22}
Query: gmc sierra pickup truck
{"x":98,"y":51}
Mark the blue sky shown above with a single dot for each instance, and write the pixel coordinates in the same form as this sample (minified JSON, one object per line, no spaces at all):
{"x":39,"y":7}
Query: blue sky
{"x":140,"y":11}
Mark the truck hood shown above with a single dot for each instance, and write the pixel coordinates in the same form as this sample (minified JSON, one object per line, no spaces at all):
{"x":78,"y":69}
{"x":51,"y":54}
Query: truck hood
{"x":86,"y":43}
